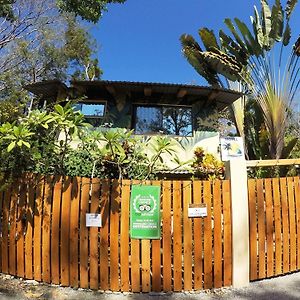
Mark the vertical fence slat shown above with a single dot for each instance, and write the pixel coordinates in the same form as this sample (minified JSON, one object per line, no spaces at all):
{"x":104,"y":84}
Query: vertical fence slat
{"x":37,"y":232}
{"x":297,"y":200}
{"x":46,"y":229}
{"x":145,"y":249}
{"x":55,"y":230}
{"x":277,"y":221}
{"x":114,"y":232}
{"x":252,"y":229}
{"x":83,"y":246}
{"x":94,"y":280}
{"x":187,"y":237}
{"x":104,"y":235}
{"x":198,"y":267}
{"x":12,"y":228}
{"x":292,"y":214}
{"x":124,"y":248}
{"x":261,"y":229}
{"x":285,"y":229}
{"x":217,"y":234}
{"x":20,"y":230}
{"x":166,"y":240}
{"x":74,"y":231}
{"x":65,"y":232}
{"x":177,"y":235}
{"x":1,"y":224}
{"x":29,"y":227}
{"x":207,"y":237}
{"x":156,"y":266}
{"x":269,"y":227}
{"x":5,"y":236}
{"x":135,"y":265}
{"x":227,"y":234}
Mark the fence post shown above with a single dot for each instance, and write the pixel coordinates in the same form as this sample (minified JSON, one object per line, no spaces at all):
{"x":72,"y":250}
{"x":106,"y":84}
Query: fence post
{"x":236,"y":171}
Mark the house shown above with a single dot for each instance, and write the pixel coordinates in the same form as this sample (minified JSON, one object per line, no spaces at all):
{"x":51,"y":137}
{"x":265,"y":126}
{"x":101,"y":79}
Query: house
{"x":146,"y":107}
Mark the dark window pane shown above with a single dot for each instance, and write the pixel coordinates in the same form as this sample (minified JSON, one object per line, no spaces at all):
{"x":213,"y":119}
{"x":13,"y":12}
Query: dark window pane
{"x":168,"y":120}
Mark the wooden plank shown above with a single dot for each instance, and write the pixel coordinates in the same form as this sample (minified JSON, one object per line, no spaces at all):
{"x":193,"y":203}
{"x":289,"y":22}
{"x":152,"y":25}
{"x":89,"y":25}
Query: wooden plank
{"x":124,"y":249}
{"x":135,"y":265}
{"x":207,"y":237}
{"x":12,"y":228}
{"x":261,"y":229}
{"x":1,"y":224}
{"x":272,"y":162}
{"x":37,"y":233}
{"x":21,"y":224}
{"x":217,"y":234}
{"x":166,"y":238}
{"x":83,"y":248}
{"x":285,"y":225}
{"x":29,"y":228}
{"x":177,"y":235}
{"x":269,"y":227}
{"x":277,"y":221}
{"x":252,"y":229}
{"x":297,"y":200}
{"x":5,"y":236}
{"x":55,"y":230}
{"x":145,"y":266}
{"x":227,"y":233}
{"x":292,"y":214}
{"x":156,"y":266}
{"x":74,"y":231}
{"x":187,"y":237}
{"x":114,"y":236}
{"x":65,"y":232}
{"x":95,"y":199}
{"x":46,"y":229}
{"x":198,"y":237}
{"x":104,"y":235}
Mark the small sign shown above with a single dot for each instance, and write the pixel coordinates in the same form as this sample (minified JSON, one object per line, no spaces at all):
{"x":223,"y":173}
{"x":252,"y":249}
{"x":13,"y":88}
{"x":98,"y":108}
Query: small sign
{"x":197,"y":210}
{"x":145,"y":212}
{"x":231,"y":148}
{"x":93,"y":220}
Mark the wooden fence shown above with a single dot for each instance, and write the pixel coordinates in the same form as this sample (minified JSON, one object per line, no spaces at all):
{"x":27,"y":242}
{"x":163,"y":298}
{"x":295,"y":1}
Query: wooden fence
{"x":274,"y":214}
{"x":44,"y":237}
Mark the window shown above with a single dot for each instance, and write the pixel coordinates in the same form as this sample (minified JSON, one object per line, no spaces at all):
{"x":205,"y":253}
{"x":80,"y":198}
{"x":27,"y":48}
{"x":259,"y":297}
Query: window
{"x":93,"y":112}
{"x":172,"y":120}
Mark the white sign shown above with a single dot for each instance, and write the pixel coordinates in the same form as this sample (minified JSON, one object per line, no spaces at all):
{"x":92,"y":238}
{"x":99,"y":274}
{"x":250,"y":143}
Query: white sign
{"x":231,"y":148}
{"x":93,"y":220}
{"x":197,"y":210}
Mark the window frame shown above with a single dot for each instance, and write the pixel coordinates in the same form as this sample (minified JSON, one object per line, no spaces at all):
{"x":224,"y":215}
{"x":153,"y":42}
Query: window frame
{"x":163,"y":105}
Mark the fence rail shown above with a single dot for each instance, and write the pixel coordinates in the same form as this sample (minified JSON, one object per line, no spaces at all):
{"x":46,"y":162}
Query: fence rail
{"x":44,"y":236}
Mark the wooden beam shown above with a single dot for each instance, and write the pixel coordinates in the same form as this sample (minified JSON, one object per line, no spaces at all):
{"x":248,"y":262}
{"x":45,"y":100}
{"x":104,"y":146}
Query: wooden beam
{"x":147,"y":91}
{"x":181,"y":93}
{"x":272,"y":162}
{"x":211,"y":97}
{"x":111,"y":90}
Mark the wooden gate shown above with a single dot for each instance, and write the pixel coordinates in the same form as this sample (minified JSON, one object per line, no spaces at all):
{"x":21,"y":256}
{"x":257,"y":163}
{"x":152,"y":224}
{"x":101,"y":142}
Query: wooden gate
{"x":44,"y":235}
{"x":274,"y":215}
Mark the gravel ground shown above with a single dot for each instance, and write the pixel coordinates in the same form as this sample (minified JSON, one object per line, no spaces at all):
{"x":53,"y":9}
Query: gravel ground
{"x":284,"y":287}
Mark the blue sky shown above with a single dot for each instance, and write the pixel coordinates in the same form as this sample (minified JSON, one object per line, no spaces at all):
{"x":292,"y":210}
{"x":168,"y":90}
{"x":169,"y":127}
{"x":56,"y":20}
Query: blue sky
{"x":139,"y":40}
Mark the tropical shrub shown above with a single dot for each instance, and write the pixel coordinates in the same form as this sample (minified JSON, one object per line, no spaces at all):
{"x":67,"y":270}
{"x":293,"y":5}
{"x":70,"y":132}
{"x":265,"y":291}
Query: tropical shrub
{"x":206,"y":166}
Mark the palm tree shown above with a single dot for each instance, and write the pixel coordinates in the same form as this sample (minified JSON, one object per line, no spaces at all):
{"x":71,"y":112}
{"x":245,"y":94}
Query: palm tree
{"x":254,"y":59}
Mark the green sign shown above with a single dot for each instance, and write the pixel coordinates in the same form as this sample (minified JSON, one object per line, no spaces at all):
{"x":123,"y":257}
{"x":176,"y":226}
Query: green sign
{"x":145,"y":212}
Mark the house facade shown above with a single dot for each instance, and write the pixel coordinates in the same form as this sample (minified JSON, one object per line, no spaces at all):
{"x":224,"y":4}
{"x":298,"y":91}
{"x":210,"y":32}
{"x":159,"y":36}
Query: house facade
{"x":147,"y":108}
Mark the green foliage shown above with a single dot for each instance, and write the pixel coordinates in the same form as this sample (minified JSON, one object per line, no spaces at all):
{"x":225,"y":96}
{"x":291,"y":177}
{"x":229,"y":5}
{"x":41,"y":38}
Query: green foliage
{"x":90,"y":10}
{"x":206,"y":166}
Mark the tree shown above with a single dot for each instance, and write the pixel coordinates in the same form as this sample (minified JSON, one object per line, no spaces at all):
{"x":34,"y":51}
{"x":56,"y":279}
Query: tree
{"x":39,"y":42}
{"x":254,"y":58}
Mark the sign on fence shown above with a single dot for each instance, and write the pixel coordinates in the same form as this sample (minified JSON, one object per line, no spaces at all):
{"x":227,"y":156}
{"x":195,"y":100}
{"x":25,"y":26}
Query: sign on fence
{"x":93,"y":220}
{"x":145,"y":212}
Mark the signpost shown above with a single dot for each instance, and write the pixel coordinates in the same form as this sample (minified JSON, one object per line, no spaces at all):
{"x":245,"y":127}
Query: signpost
{"x":145,"y":212}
